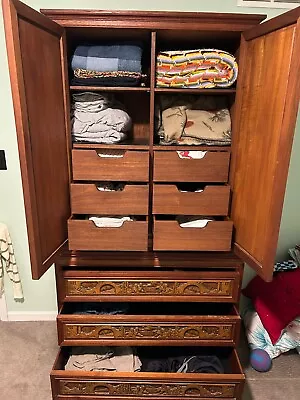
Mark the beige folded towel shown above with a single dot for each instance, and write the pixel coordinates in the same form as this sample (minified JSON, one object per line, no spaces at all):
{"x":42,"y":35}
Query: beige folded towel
{"x":8,"y":263}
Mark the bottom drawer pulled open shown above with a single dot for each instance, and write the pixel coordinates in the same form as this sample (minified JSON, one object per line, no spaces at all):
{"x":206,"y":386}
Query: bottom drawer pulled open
{"x":227,"y":384}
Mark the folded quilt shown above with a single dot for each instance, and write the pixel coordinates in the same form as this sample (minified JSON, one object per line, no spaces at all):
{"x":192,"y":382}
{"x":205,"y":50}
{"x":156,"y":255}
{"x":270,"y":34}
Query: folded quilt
{"x":115,"y":57}
{"x":193,"y":121}
{"x":98,"y":118}
{"x":199,"y":68}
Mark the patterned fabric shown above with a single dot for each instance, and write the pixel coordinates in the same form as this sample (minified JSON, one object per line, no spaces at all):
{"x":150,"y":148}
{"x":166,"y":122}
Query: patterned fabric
{"x":285,"y":266}
{"x":258,"y":337}
{"x":108,"y":57}
{"x":190,"y":120}
{"x":8,"y":263}
{"x":83,"y":77}
{"x":200,"y":68}
{"x":83,"y":73}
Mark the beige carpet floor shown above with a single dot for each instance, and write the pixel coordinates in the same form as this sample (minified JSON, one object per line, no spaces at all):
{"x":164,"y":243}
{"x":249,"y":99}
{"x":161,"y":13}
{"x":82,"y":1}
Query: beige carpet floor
{"x":28,"y":350}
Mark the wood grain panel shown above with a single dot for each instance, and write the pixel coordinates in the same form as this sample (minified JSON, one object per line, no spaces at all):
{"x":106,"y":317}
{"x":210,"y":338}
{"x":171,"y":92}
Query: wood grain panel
{"x":213,"y":167}
{"x":37,"y":78}
{"x":214,"y":200}
{"x":268,"y":95}
{"x":131,"y":236}
{"x":87,"y":199}
{"x":132,"y":167}
{"x":215,"y":236}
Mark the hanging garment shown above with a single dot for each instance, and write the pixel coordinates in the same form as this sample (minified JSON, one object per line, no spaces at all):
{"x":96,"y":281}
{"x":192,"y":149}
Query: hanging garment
{"x":8,"y":263}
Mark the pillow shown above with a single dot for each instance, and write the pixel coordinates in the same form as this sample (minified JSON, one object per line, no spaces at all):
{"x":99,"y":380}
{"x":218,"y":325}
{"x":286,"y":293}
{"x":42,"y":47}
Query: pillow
{"x":278,"y":302}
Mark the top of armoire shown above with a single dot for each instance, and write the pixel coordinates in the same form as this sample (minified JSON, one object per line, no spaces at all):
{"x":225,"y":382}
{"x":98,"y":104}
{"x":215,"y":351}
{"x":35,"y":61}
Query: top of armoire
{"x":154,"y":19}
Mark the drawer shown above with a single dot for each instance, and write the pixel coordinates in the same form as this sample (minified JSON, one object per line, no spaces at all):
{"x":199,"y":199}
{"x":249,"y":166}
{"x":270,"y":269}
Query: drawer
{"x":85,"y":235}
{"x":87,"y":199}
{"x":147,"y":324}
{"x":169,"y":167}
{"x":156,"y":286}
{"x":152,"y":385}
{"x":169,"y":235}
{"x":168,"y":199}
{"x":133,"y":166}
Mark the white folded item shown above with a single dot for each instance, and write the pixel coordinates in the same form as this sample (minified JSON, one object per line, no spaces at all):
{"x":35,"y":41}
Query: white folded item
{"x":198,"y":223}
{"x":109,"y":222}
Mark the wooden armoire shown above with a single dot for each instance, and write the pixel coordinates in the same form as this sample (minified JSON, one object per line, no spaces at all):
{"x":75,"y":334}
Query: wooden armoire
{"x":184,"y":284}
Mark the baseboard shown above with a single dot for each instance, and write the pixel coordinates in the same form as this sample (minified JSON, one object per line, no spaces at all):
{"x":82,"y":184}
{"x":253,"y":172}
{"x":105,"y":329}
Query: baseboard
{"x":32,"y":315}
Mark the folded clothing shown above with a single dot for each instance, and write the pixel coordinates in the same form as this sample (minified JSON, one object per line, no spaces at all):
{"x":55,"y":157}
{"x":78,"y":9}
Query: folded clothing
{"x":199,"y":68}
{"x":103,"y":359}
{"x":278,"y":302}
{"x":110,"y":187}
{"x":188,"y":120}
{"x":109,"y":222}
{"x":98,"y":118}
{"x":108,"y":57}
{"x":83,"y":77}
{"x":184,"y":364}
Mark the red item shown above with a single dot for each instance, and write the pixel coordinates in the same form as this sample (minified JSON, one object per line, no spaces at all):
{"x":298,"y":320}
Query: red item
{"x":278,"y":302}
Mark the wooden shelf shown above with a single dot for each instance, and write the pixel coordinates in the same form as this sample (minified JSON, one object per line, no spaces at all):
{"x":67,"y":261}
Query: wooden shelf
{"x":191,"y":148}
{"x":195,"y":91}
{"x":137,"y":145}
{"x":110,"y":88}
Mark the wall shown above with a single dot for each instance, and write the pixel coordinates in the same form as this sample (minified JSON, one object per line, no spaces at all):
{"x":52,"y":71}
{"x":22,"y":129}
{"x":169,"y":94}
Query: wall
{"x":40,"y":295}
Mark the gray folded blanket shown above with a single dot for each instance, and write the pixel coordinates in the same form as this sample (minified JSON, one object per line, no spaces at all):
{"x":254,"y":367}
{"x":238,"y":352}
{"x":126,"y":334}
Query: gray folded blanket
{"x":103,"y":58}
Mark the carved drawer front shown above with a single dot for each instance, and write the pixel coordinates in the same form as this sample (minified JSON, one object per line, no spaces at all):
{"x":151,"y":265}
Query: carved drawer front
{"x":93,"y":165}
{"x":139,"y":385}
{"x":168,"y":235}
{"x":169,"y":167}
{"x":213,"y":200}
{"x":163,"y":329}
{"x":196,"y":287}
{"x":87,"y":199}
{"x":85,"y":235}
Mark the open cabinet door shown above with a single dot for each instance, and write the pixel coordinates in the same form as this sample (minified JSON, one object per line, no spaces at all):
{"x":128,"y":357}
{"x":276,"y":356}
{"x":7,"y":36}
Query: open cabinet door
{"x":266,"y":111}
{"x":34,"y":47}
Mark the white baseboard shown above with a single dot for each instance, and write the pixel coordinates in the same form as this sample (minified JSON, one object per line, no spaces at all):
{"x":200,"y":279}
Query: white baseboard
{"x":31,"y":315}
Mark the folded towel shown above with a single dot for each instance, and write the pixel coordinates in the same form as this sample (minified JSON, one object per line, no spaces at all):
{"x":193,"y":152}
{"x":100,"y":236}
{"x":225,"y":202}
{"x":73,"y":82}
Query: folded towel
{"x":8,"y":263}
{"x":116,"y":57}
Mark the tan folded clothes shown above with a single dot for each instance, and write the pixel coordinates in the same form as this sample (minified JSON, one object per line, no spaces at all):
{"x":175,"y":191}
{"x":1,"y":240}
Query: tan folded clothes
{"x":120,"y":359}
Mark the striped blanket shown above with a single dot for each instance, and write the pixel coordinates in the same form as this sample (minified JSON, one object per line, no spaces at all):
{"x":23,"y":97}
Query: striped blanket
{"x":200,"y":68}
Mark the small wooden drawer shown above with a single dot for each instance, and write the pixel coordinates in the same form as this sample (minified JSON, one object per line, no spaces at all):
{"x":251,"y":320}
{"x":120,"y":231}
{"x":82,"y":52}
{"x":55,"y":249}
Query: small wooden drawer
{"x":169,"y":167}
{"x":169,"y":235}
{"x":87,"y":199}
{"x":214,"y":200}
{"x":150,"y":385}
{"x":85,"y":235}
{"x":133,"y":166}
{"x":153,"y":286}
{"x":164,"y":324}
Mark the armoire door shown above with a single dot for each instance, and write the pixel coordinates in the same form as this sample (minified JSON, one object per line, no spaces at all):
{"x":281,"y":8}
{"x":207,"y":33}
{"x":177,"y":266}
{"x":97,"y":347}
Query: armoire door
{"x":266,"y":111}
{"x":34,"y":47}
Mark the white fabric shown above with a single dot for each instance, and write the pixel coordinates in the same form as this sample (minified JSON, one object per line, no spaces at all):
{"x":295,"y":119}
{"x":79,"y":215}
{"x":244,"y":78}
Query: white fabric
{"x":109,"y":222}
{"x":191,"y":154}
{"x":8,"y":263}
{"x":198,"y":223}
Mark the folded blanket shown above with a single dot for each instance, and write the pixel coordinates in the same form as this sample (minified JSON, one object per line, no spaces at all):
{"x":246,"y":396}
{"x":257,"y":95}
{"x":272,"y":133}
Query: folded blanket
{"x":200,"y":68}
{"x":98,"y":118}
{"x":116,"y":57}
{"x":83,"y":77}
{"x":203,"y":120}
